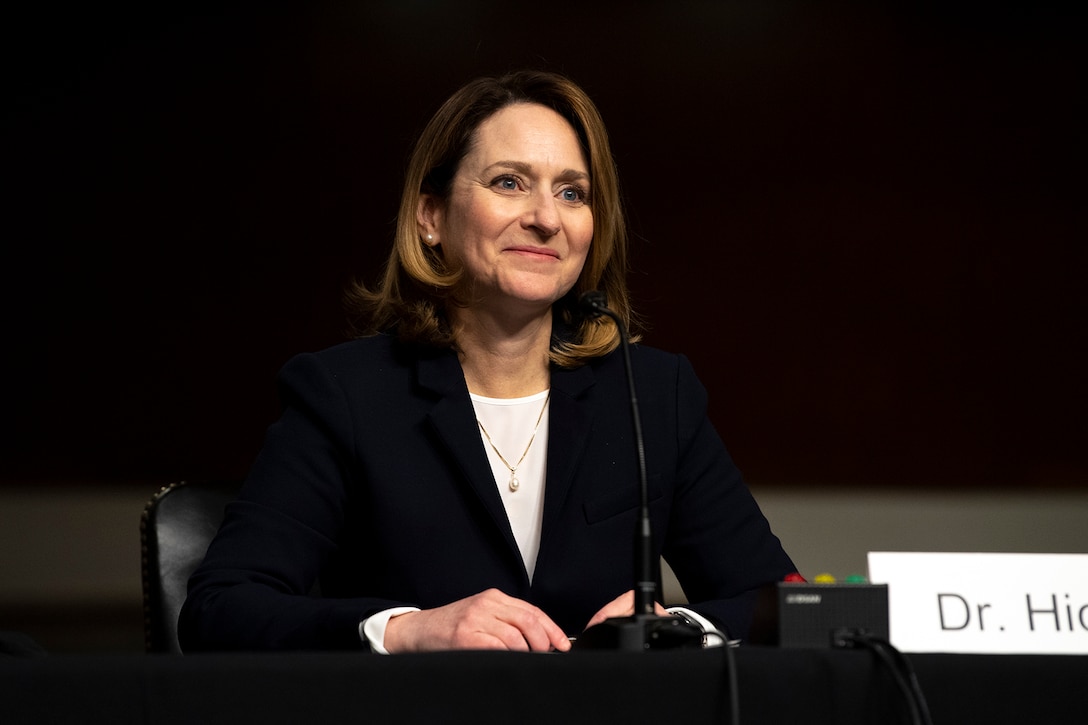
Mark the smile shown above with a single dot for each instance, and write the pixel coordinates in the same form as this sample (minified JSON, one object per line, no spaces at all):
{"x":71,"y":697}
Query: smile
{"x":539,"y":252}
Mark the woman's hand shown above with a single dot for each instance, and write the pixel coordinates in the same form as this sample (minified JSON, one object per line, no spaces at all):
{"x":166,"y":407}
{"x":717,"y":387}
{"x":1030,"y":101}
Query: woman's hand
{"x":488,"y":620}
{"x":621,"y":606}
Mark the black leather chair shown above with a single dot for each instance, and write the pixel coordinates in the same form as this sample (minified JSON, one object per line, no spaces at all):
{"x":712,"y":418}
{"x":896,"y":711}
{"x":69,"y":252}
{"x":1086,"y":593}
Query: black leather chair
{"x":176,"y":527}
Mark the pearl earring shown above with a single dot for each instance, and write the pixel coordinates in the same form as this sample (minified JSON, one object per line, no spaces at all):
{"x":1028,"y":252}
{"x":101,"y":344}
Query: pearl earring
{"x":430,"y":237}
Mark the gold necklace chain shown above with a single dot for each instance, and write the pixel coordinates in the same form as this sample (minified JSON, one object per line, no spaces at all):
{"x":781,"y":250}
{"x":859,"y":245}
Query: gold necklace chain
{"x":514,"y":483}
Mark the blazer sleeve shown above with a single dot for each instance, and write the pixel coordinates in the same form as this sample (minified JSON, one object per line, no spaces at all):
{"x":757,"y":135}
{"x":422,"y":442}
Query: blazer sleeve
{"x":719,"y":544}
{"x":255,"y":587}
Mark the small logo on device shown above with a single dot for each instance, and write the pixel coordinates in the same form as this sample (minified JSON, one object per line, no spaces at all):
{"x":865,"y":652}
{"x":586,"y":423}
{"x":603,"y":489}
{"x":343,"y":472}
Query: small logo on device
{"x":803,"y":599}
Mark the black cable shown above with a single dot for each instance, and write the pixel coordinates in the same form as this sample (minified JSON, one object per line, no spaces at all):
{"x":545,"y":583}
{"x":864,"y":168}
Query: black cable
{"x":731,"y":684}
{"x":900,"y":680}
{"x":912,"y":678}
{"x":900,"y":668}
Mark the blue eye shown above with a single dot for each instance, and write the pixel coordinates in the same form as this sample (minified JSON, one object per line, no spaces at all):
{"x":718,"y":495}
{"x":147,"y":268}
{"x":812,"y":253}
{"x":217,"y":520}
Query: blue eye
{"x":506,"y":183}
{"x":573,"y":194}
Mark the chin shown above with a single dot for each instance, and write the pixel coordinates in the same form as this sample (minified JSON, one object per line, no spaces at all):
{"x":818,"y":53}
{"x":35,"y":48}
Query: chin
{"x":531,"y":302}
{"x":533,"y":294}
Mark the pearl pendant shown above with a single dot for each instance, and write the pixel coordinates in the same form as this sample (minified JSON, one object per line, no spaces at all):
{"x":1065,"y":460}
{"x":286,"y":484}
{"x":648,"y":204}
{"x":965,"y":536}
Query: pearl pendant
{"x":514,"y":483}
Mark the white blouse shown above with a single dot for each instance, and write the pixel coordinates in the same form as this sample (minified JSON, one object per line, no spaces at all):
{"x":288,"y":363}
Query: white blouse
{"x":510,"y":422}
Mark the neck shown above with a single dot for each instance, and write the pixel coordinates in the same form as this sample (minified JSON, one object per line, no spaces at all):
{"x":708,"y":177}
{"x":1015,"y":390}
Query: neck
{"x":500,"y":359}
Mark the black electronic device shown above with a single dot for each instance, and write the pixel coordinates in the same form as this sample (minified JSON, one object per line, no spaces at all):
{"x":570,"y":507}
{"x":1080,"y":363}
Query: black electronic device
{"x":803,"y":614}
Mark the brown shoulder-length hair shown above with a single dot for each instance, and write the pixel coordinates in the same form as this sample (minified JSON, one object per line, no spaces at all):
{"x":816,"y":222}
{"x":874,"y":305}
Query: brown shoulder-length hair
{"x":412,"y":297}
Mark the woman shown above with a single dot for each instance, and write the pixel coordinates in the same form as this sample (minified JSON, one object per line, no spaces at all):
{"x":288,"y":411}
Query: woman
{"x":463,"y":475}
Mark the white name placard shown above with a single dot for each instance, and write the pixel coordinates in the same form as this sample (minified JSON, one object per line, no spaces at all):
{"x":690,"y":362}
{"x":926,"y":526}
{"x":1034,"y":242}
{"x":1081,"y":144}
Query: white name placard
{"x":985,"y":602}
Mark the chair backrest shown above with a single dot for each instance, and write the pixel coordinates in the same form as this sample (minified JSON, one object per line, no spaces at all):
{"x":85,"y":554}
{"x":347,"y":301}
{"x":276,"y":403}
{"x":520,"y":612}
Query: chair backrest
{"x":176,"y":527}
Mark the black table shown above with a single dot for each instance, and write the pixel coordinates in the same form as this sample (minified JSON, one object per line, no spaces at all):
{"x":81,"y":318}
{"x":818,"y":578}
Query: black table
{"x":774,"y":685}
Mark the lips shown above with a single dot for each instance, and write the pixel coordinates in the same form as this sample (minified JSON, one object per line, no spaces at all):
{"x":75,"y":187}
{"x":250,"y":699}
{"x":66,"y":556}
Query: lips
{"x":535,"y":251}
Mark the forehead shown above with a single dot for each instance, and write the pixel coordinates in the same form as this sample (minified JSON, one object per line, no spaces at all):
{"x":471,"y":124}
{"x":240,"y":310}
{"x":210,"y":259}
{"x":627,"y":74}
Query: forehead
{"x":524,"y":131}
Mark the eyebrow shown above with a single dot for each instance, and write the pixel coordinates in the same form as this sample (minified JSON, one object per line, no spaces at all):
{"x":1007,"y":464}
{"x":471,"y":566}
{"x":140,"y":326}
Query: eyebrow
{"x":527,"y":169}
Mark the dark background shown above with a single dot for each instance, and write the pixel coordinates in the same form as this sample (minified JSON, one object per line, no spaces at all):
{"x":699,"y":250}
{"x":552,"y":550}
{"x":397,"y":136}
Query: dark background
{"x":863,"y":221}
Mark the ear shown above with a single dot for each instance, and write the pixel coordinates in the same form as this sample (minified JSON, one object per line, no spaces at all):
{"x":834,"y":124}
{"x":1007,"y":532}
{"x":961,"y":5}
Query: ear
{"x":429,"y":219}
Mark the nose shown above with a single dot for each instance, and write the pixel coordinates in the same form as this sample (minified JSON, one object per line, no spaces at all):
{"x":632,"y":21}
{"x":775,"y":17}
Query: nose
{"x":543,"y":215}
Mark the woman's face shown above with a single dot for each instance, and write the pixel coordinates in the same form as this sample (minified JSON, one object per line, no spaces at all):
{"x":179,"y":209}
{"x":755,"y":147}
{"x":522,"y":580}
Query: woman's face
{"x":517,"y":217}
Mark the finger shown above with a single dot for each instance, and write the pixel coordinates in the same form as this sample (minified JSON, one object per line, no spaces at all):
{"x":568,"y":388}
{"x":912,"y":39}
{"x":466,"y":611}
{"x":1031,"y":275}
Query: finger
{"x":511,"y":637}
{"x":537,"y":629}
{"x":621,"y":606}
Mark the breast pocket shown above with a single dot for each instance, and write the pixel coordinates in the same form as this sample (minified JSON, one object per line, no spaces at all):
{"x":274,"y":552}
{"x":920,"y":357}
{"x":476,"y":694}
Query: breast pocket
{"x":622,"y":497}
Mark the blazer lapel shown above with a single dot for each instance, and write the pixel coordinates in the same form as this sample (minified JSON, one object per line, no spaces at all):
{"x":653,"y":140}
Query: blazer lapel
{"x":568,"y":430}
{"x":454,"y":420}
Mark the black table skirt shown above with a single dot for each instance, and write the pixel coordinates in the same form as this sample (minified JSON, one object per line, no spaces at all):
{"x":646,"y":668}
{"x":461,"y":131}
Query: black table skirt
{"x":774,"y":686}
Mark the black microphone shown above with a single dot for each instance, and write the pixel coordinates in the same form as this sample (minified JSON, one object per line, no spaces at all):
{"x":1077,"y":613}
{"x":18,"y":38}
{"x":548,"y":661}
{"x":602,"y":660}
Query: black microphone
{"x":645,"y":630}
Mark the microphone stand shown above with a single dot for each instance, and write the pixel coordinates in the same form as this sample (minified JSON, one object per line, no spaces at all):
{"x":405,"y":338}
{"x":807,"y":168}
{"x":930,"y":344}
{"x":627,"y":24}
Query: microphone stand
{"x":644,"y":630}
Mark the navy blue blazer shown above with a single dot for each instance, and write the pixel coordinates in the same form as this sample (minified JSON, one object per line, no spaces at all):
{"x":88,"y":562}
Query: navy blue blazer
{"x":375,"y":487}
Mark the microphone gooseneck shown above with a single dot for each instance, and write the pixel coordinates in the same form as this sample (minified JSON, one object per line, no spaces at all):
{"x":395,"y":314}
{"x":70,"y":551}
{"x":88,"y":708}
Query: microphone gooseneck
{"x":645,"y":630}
{"x":594,"y":303}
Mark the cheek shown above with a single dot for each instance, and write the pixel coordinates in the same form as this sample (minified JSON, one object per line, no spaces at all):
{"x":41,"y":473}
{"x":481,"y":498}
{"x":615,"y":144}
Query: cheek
{"x":456,"y":234}
{"x":480,"y":221}
{"x":581,"y":235}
